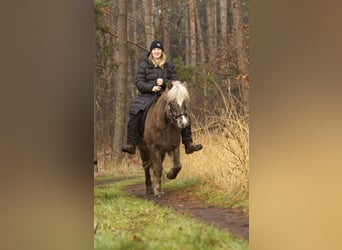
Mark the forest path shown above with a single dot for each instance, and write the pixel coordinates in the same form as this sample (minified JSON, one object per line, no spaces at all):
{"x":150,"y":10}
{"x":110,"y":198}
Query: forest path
{"x":231,"y":220}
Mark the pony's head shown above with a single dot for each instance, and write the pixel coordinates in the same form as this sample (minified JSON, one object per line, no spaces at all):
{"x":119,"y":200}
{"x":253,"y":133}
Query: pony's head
{"x":178,"y":98}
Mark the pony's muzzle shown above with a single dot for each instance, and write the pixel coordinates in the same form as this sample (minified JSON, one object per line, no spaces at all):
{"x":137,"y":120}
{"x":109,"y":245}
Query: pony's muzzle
{"x":182,"y":121}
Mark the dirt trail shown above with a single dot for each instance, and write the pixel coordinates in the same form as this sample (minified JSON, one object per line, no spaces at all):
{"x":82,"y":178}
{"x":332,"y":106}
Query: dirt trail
{"x":231,"y":220}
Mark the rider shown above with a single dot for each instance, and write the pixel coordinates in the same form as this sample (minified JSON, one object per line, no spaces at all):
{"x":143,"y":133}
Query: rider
{"x":153,"y":74}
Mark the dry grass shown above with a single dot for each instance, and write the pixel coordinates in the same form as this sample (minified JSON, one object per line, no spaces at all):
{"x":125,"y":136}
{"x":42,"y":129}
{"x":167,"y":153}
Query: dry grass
{"x":131,"y":165}
{"x":224,"y":159}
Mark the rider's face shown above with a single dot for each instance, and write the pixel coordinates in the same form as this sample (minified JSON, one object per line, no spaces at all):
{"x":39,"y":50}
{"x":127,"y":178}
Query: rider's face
{"x":156,"y":53}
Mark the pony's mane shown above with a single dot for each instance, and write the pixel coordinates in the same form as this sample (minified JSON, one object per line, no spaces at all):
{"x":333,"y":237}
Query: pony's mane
{"x":178,"y":93}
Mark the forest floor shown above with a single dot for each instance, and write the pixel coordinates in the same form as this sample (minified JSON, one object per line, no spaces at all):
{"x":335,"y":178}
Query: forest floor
{"x":231,"y":220}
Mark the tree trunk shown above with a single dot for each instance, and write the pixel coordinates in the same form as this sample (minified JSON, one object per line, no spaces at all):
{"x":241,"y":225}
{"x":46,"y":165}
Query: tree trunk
{"x":153,"y":32}
{"x":202,"y":59}
{"x":187,"y":38}
{"x":148,"y":20}
{"x":200,"y":41}
{"x":223,"y":24}
{"x":240,"y":45}
{"x":192,"y":23}
{"x":132,"y":33}
{"x":121,"y":88}
{"x":164,"y":25}
{"x":211,"y":13}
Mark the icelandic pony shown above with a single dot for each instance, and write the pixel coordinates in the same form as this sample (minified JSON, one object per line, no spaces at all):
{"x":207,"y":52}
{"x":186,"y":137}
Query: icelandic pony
{"x":164,"y":122}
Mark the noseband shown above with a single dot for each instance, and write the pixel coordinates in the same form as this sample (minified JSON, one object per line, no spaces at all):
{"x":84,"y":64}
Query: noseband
{"x":175,"y":117}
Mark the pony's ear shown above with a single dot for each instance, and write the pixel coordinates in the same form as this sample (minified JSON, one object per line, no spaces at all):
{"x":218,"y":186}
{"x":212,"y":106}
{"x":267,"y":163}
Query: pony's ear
{"x":169,"y":85}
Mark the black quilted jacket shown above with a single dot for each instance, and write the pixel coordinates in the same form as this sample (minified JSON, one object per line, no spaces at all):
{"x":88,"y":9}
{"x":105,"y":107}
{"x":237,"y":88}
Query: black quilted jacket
{"x":145,"y":80}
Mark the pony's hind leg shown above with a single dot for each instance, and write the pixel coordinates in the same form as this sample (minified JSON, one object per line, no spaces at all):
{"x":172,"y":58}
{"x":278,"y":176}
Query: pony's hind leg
{"x":177,"y":166}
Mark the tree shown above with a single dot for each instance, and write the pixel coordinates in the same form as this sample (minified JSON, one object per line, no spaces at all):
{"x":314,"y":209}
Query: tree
{"x":164,"y":24}
{"x":223,"y":23}
{"x":192,"y":23}
{"x":148,"y":6}
{"x":211,"y":21}
{"x":240,"y":45}
{"x":202,"y":59}
{"x":106,"y":67}
{"x":121,"y":87}
{"x":200,"y":40}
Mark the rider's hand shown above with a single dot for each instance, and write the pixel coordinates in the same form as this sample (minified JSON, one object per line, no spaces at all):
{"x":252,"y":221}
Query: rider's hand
{"x":160,"y":81}
{"x":156,"y":88}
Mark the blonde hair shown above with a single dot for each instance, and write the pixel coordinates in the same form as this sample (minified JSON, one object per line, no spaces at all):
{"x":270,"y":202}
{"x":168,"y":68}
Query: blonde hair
{"x":160,"y":62}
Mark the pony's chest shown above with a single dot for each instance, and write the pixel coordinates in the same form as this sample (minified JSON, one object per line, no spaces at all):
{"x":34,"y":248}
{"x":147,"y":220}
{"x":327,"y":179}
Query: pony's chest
{"x":168,"y":136}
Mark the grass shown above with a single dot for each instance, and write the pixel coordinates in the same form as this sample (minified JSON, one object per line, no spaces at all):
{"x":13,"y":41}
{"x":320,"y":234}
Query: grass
{"x":122,"y":221}
{"x":209,"y":193}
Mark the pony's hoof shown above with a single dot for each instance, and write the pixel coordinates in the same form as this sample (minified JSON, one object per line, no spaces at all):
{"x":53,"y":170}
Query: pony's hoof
{"x":173,"y":173}
{"x":149,"y":190}
{"x":159,"y":195}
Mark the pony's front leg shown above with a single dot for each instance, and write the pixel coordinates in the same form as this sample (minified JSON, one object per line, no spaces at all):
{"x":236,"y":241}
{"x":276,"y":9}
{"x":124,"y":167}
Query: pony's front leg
{"x":177,"y":166}
{"x":148,"y":181}
{"x":157,"y":173}
{"x":146,"y":165}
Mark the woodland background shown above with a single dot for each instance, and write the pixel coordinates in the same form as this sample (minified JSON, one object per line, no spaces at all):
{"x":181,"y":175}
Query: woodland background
{"x":208,"y":43}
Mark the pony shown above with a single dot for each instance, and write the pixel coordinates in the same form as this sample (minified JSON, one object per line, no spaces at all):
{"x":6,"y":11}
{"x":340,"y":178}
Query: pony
{"x":162,"y":132}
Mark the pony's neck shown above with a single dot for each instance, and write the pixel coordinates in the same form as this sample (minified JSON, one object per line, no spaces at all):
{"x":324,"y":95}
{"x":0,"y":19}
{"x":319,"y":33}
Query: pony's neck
{"x":162,"y":102}
{"x":160,"y":112}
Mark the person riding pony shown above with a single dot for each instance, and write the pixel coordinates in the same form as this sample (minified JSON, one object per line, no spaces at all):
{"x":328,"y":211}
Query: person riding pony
{"x":153,"y":74}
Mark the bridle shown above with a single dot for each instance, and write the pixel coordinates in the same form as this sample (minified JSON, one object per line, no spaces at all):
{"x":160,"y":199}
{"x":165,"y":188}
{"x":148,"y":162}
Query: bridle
{"x":173,"y":116}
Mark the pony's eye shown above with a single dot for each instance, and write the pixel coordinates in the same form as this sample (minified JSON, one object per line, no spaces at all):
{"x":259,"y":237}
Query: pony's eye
{"x":173,"y":106}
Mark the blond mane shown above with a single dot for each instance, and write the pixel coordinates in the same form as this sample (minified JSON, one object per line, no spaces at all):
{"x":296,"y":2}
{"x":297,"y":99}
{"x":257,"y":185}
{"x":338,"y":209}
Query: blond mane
{"x":178,"y":93}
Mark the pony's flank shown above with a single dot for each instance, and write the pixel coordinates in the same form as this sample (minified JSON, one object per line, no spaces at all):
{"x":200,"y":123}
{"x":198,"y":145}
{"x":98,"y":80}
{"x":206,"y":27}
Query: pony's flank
{"x":178,"y":93}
